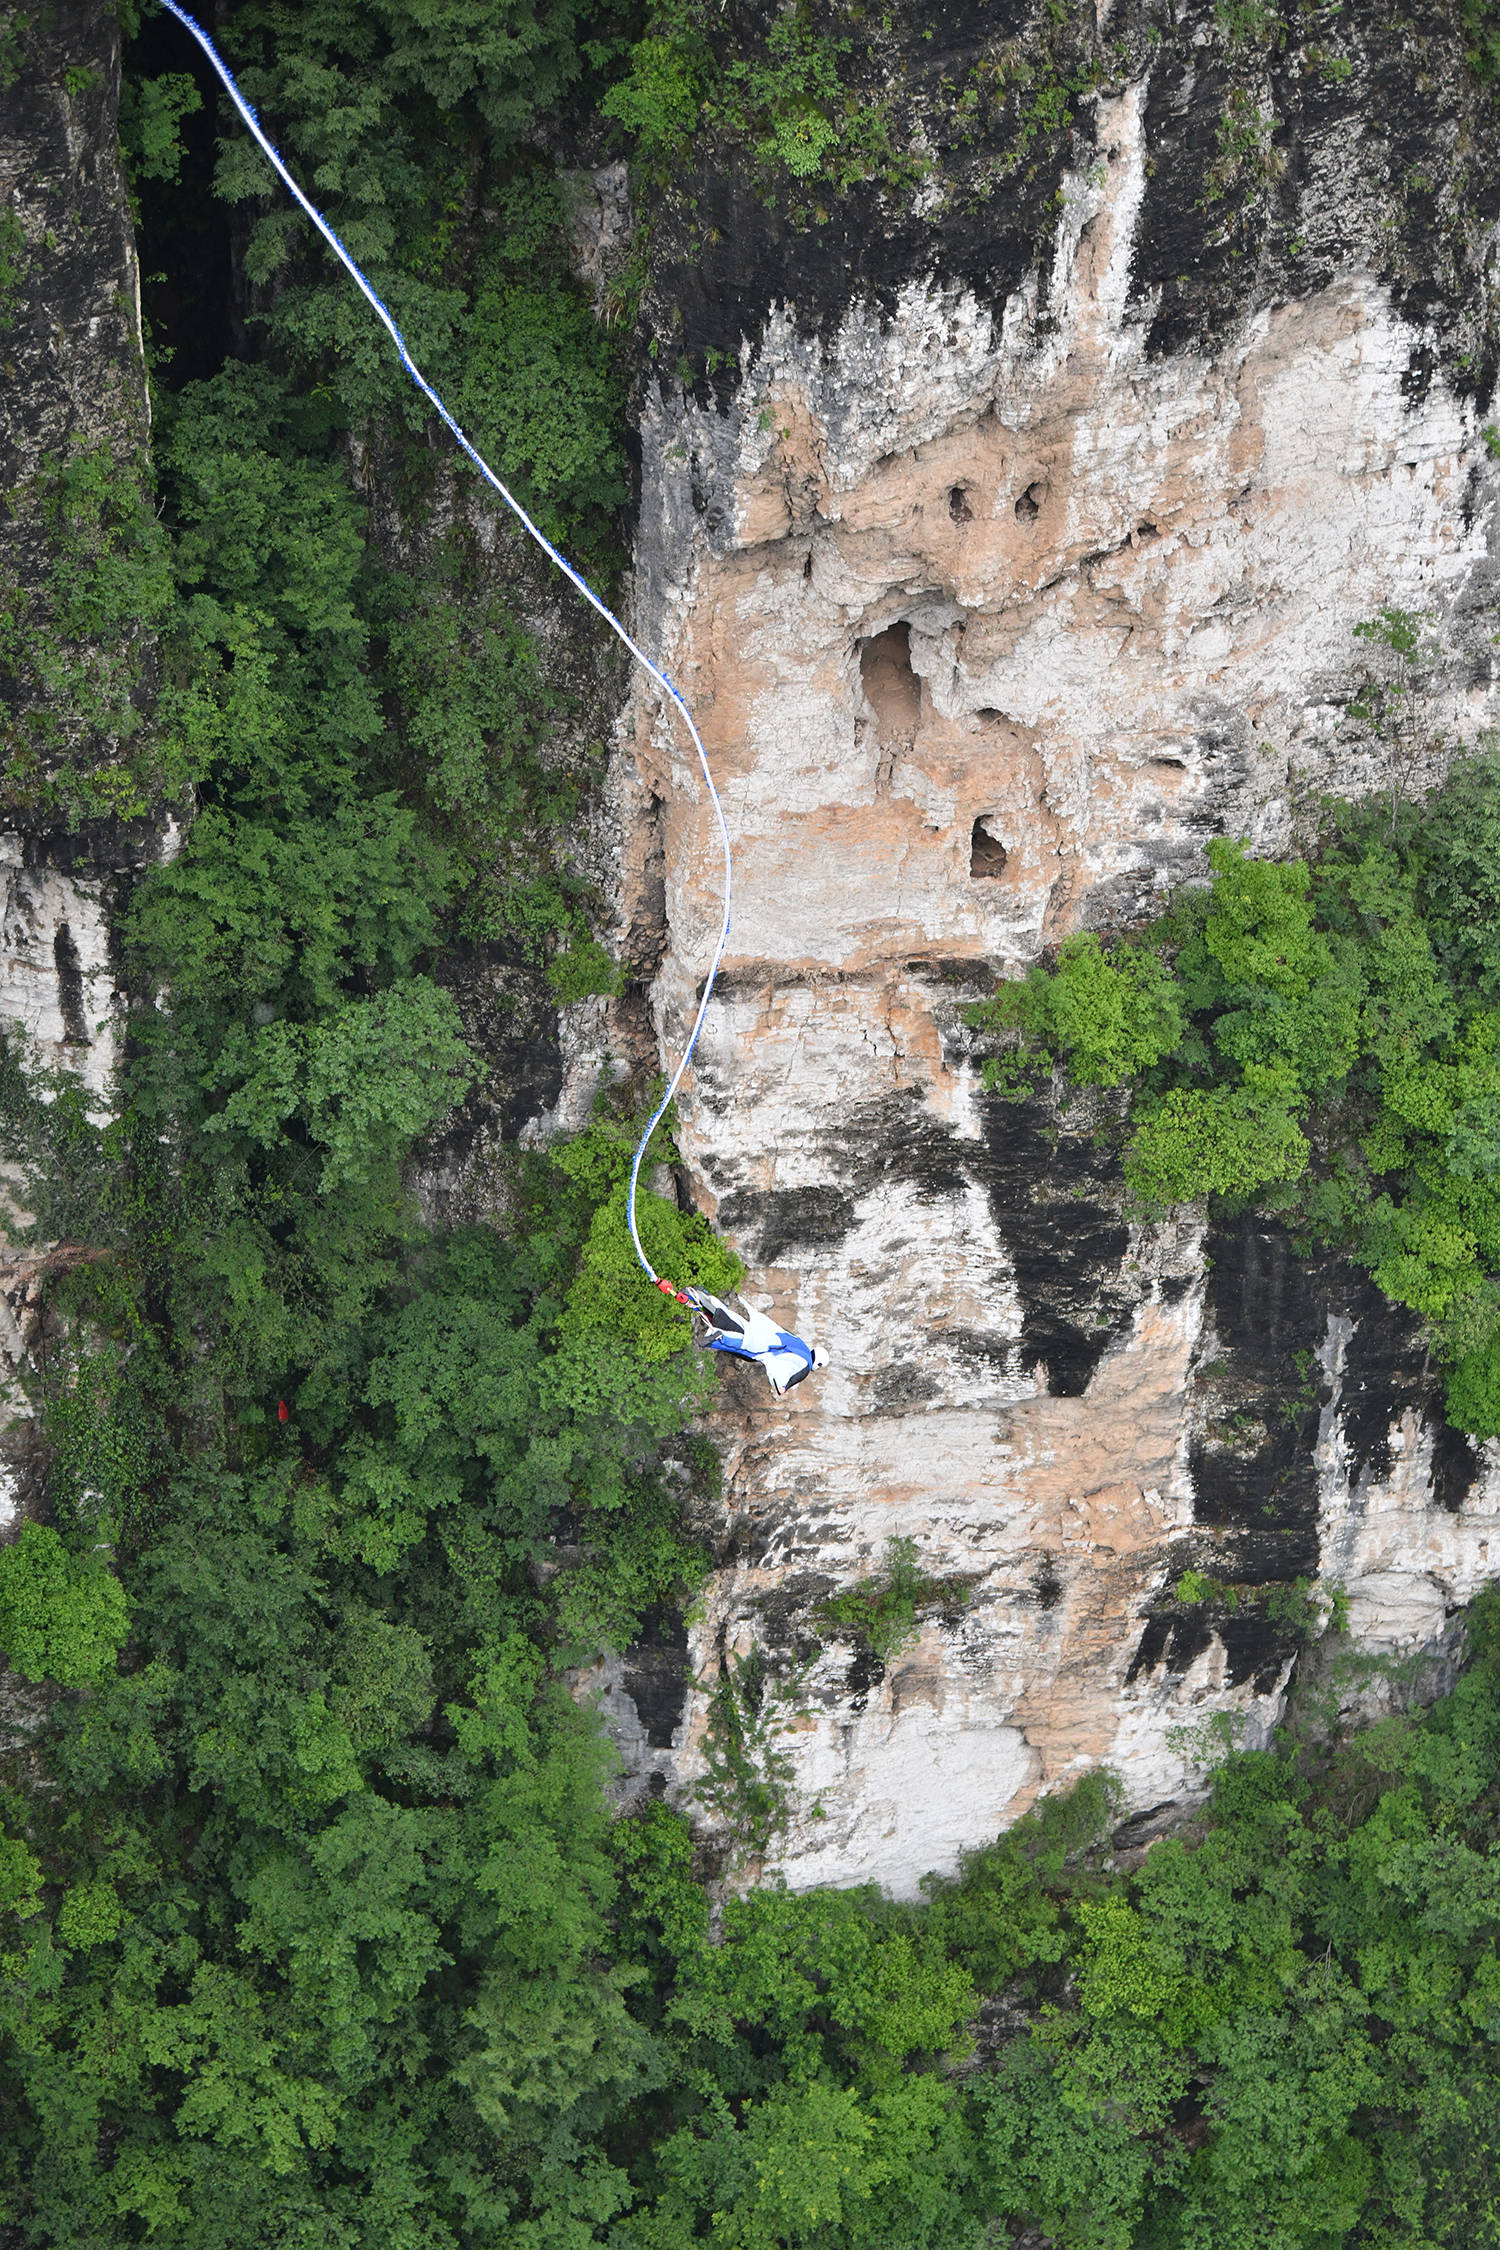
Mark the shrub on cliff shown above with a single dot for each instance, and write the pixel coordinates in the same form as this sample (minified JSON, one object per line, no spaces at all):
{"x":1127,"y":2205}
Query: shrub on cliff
{"x":607,"y":1297}
{"x":1324,"y":1039}
{"x":63,"y":1615}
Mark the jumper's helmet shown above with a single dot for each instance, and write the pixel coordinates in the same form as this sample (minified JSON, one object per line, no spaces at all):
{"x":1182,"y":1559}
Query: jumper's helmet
{"x":820,"y":1357}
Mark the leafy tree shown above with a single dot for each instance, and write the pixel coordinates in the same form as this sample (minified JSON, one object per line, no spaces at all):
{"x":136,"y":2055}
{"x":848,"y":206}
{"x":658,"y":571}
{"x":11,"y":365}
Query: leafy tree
{"x":1111,"y":1014}
{"x":63,"y":1616}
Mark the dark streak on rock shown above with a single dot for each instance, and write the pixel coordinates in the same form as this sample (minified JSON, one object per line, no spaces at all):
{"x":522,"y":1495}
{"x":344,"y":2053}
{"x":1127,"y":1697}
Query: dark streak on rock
{"x":1270,"y":1311}
{"x":1455,"y":1465}
{"x":1176,"y":1636}
{"x":1046,"y":1585}
{"x":1257,"y":1648}
{"x":864,"y":1675}
{"x":1385,"y":1374}
{"x":809,"y":1218}
{"x":656,"y":1675}
{"x":69,"y":987}
{"x":1388,"y":1374}
{"x":1054,"y":1195}
{"x":784,"y":1611}
{"x":1330,"y":191}
{"x":1253,"y":1466}
{"x":902,"y":1386}
{"x":1056,"y":1206}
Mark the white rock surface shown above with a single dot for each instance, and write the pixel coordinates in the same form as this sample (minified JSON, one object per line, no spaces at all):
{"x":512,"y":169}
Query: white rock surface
{"x":57,"y":982}
{"x":59,"y":1004}
{"x":1127,"y":589}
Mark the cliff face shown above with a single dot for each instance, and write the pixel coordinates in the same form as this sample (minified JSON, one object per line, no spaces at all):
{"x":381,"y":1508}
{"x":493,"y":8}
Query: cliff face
{"x":1009,"y":546}
{"x":997,"y":590}
{"x":75,"y":388}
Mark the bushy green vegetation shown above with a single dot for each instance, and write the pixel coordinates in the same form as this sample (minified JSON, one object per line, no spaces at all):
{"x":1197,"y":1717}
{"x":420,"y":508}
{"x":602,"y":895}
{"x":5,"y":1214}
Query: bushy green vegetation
{"x":151,"y":114}
{"x":13,"y":266}
{"x":882,"y":1610}
{"x":376,"y":1959}
{"x":1322,"y":1038}
{"x":785,"y":102}
{"x":63,"y":1615}
{"x":312,"y":1878}
{"x":409,"y":122}
{"x":1481,"y":24}
{"x":75,"y":640}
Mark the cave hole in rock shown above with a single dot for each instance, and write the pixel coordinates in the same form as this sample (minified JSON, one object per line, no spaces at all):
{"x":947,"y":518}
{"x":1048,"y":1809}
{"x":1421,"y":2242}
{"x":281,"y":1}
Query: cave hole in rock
{"x":987,"y":855}
{"x":891,"y":686}
{"x":1046,"y":1584}
{"x":958,"y":505}
{"x":1029,"y":506}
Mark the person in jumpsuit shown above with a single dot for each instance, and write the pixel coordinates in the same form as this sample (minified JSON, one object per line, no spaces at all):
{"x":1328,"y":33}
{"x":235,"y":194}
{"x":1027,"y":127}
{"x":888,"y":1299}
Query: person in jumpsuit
{"x":787,"y":1359}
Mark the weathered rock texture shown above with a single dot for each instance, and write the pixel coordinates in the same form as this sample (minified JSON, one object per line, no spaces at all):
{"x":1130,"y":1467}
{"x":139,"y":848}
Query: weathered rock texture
{"x":74,"y":381}
{"x":996,"y":593}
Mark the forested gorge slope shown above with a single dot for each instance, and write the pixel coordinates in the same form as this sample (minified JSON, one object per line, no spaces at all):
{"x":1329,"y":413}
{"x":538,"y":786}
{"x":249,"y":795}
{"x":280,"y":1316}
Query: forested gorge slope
{"x":317,"y":1925}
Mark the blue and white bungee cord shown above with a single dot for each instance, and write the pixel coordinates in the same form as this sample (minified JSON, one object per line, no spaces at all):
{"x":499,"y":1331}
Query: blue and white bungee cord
{"x":383,"y":315}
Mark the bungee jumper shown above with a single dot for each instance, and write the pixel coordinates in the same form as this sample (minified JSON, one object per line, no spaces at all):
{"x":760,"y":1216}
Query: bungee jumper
{"x":787,"y":1359}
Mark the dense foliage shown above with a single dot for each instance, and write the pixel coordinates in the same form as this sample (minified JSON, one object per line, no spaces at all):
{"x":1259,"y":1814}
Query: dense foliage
{"x":787,"y":106}
{"x":407,"y":121}
{"x":75,"y":642}
{"x":318,"y":1943}
{"x":326,"y":1846}
{"x":1325,"y":1038}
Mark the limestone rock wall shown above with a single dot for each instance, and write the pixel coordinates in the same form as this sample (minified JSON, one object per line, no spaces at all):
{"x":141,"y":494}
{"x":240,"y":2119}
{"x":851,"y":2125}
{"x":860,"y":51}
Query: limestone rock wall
{"x":993,"y":607}
{"x":75,"y":380}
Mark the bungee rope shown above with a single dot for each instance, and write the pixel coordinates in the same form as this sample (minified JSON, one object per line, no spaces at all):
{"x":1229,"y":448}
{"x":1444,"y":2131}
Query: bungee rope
{"x":383,"y":313}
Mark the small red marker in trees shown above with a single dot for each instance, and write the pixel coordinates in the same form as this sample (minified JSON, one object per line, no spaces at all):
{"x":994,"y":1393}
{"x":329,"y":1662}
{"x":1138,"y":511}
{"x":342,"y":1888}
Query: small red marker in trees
{"x":282,"y":1410}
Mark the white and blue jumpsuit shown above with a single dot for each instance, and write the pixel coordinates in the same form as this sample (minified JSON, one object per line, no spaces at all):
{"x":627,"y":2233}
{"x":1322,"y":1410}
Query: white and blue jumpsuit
{"x":787,"y":1359}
